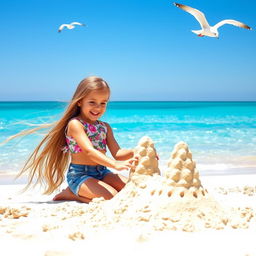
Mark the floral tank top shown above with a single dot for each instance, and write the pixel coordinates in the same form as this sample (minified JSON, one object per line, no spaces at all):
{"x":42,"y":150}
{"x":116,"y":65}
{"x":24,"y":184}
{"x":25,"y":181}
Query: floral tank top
{"x":96,"y":133}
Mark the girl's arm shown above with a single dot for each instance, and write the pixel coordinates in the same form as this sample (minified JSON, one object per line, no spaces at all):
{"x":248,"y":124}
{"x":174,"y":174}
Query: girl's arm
{"x":116,"y":151}
{"x":76,"y":130}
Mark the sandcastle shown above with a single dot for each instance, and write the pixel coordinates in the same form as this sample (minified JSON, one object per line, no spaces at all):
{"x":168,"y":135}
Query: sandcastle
{"x":181,"y":177}
{"x":182,"y":173}
{"x":175,"y":200}
{"x":147,"y":158}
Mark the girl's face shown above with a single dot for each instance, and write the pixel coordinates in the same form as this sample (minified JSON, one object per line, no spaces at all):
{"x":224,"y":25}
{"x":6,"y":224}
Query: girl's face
{"x":93,"y":106}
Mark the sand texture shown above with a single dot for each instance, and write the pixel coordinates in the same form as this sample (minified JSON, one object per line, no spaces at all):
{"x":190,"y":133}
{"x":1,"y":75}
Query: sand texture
{"x":174,"y":211}
{"x":174,"y":201}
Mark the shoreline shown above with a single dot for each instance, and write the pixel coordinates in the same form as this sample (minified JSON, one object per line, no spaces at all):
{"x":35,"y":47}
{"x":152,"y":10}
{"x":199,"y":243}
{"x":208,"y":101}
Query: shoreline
{"x":9,"y":178}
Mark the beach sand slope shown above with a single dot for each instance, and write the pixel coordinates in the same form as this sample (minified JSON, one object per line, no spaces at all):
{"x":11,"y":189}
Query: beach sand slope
{"x":176,"y":213}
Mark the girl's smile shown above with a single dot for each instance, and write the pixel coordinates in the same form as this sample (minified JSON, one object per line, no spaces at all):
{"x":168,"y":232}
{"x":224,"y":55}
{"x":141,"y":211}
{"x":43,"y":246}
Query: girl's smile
{"x":95,"y":114}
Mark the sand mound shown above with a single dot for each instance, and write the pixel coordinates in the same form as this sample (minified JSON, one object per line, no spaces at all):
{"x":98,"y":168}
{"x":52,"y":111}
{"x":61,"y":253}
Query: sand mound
{"x":146,"y":153}
{"x":174,"y":201}
{"x":182,"y":174}
{"x":149,"y":202}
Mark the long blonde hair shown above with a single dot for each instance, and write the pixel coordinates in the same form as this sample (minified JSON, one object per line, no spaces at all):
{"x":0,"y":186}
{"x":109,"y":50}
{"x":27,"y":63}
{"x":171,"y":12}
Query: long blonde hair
{"x":47,"y":164}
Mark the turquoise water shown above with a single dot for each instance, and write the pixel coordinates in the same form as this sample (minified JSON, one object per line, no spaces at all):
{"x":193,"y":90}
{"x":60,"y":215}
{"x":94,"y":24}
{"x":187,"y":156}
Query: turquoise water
{"x":221,"y":135}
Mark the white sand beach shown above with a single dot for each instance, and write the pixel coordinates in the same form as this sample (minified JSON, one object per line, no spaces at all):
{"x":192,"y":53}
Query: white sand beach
{"x":149,"y":216}
{"x":35,"y":225}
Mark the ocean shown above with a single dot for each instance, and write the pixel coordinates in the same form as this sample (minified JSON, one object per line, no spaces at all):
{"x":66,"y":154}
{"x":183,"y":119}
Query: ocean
{"x":220,"y":135}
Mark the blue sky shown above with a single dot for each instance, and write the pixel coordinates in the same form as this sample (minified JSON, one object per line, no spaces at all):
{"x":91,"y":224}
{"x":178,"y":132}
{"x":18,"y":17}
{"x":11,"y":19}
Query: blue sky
{"x":144,"y":49}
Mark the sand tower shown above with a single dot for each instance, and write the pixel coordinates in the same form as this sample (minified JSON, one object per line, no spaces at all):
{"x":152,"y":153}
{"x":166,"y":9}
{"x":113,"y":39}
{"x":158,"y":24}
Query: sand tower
{"x":147,"y":160}
{"x":182,"y":174}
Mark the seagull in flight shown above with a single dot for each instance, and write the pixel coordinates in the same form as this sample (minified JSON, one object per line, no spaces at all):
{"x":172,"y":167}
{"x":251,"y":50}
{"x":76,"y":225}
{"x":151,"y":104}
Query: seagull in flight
{"x":207,"y":30}
{"x":69,"y":26}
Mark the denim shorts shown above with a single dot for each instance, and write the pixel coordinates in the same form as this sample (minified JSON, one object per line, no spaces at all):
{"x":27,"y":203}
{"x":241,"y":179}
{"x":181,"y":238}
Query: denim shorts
{"x":77,"y":174}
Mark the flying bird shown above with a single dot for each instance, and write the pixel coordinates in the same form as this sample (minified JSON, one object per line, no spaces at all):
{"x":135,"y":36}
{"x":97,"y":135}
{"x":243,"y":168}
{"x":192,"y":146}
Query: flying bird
{"x":69,"y":26}
{"x":207,"y":30}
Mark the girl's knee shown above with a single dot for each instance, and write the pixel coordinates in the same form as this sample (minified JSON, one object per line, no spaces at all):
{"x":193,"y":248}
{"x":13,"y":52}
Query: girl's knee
{"x":110,"y":195}
{"x":92,"y":188}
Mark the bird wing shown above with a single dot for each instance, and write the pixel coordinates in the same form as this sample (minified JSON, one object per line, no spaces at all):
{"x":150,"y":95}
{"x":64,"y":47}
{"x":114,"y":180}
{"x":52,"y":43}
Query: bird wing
{"x":196,"y":13}
{"x":77,"y":23}
{"x":61,"y":27}
{"x":232,"y":22}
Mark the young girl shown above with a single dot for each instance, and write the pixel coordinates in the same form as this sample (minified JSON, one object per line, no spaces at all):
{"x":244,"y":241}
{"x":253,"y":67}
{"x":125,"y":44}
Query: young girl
{"x":81,"y":135}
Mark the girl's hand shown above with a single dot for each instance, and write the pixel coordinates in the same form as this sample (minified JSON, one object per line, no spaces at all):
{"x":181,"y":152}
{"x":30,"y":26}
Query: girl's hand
{"x":125,"y":165}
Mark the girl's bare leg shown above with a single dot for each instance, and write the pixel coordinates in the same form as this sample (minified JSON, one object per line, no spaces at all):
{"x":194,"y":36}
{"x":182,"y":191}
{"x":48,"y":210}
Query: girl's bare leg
{"x":117,"y":181}
{"x":91,"y":188}
{"x":67,"y":195}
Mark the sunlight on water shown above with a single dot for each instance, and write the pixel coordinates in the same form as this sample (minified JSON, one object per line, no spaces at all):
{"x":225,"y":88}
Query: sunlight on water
{"x":218,"y":133}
